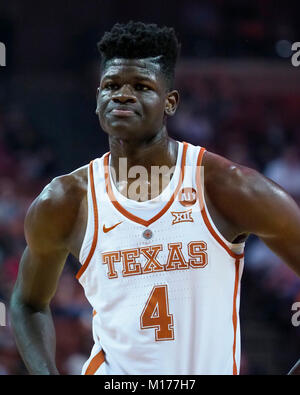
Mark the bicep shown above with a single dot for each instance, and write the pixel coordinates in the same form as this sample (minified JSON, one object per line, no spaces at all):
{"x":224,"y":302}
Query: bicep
{"x":46,"y":252}
{"x":275,"y":219}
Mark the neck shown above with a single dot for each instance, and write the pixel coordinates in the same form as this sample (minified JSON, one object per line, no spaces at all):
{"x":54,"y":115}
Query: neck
{"x":161,"y":150}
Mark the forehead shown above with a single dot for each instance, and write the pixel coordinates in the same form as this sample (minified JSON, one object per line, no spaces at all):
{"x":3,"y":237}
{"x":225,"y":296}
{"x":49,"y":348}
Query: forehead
{"x":119,"y":67}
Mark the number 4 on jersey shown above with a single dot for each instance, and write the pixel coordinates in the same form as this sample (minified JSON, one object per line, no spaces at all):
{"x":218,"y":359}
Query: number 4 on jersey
{"x":156,"y":314}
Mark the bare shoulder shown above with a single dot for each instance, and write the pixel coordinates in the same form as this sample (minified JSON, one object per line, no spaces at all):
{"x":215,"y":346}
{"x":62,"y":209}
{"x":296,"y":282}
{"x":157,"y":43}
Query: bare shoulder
{"x":234,"y":179}
{"x":53,"y":214}
{"x":222,"y":173}
{"x":64,"y":190}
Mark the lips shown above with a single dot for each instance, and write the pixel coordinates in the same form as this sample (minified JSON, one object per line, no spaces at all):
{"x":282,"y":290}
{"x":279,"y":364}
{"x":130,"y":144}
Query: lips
{"x":124,"y":110}
{"x":122,"y":113}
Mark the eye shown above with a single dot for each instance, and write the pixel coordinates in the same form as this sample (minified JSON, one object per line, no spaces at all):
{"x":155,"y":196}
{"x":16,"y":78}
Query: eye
{"x":141,"y":87}
{"x":111,"y":86}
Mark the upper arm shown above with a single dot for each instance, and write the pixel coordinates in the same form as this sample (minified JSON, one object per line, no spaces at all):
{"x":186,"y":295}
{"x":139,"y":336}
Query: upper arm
{"x":48,"y":224}
{"x":273,"y":216}
{"x":256,"y":205}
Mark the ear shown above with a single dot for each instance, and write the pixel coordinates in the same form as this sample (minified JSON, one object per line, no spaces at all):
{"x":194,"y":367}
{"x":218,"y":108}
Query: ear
{"x":172,"y":101}
{"x":97,"y":95}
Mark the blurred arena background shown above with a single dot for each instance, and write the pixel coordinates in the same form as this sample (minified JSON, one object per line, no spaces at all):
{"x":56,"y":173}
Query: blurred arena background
{"x":240,"y":97}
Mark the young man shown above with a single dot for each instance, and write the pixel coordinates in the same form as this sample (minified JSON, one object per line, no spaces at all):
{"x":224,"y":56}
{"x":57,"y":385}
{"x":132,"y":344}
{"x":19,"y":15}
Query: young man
{"x":161,"y":257}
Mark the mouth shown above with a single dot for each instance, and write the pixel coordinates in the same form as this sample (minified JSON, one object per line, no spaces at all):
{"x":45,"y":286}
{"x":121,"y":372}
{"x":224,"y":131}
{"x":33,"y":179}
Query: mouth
{"x":122,"y":112}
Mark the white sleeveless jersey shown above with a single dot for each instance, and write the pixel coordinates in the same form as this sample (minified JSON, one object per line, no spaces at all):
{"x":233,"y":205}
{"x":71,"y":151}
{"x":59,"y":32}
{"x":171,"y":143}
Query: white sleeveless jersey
{"x":165,"y":288}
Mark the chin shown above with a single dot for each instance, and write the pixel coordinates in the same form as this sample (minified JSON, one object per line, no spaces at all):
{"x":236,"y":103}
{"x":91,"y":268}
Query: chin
{"x":122,"y":131}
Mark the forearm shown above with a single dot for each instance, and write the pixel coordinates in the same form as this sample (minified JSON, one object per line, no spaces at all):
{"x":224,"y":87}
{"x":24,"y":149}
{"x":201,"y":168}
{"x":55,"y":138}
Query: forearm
{"x":35,"y":337}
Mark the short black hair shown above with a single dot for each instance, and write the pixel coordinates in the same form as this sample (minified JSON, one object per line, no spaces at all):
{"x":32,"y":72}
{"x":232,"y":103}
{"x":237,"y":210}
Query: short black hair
{"x":137,"y":40}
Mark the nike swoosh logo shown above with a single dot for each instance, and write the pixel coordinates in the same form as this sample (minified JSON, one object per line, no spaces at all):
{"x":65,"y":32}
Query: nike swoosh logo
{"x":105,"y":229}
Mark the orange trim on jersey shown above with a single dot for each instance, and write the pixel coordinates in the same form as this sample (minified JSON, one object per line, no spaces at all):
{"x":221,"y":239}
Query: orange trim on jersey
{"x":129,"y":215}
{"x":95,"y":363}
{"x":234,"y":313}
{"x":95,"y":237}
{"x":203,"y":210}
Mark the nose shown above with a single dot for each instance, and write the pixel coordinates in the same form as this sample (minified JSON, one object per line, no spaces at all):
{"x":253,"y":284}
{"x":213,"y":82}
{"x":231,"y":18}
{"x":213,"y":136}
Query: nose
{"x":124,"y":95}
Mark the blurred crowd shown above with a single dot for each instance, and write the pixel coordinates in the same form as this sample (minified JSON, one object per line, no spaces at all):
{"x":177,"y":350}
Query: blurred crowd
{"x":263,"y":28}
{"x":208,"y":28}
{"x":261,"y":132}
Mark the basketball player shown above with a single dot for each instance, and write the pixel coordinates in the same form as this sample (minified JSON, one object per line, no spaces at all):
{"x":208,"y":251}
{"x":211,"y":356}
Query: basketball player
{"x":162,"y":271}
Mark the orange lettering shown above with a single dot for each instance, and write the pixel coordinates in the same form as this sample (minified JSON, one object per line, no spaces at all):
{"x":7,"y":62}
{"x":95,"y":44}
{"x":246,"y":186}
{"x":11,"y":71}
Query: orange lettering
{"x":196,"y":249}
{"x":152,"y":264}
{"x":130,"y":266}
{"x":175,"y":258}
{"x":110,"y":258}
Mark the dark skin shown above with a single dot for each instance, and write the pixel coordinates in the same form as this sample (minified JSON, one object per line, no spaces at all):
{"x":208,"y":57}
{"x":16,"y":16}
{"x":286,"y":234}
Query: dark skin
{"x":133,"y":103}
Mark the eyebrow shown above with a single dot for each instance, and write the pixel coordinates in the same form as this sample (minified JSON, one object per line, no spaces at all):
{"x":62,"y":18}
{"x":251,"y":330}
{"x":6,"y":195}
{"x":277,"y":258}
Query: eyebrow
{"x":137,"y":78}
